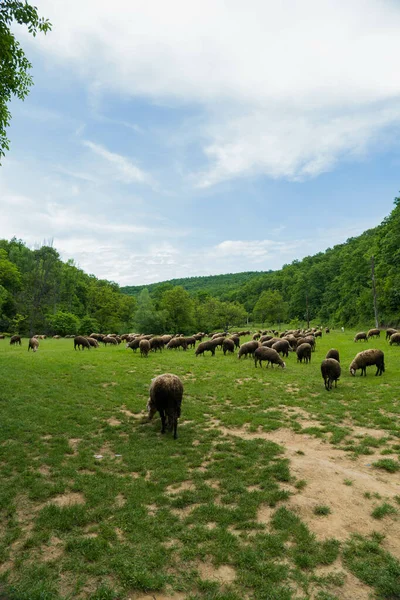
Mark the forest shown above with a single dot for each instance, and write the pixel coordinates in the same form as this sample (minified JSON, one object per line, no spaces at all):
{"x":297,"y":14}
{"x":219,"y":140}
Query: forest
{"x":39,"y":293}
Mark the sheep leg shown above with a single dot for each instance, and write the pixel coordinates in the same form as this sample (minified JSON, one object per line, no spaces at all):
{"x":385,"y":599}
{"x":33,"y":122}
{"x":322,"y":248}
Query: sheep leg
{"x":163,"y":421}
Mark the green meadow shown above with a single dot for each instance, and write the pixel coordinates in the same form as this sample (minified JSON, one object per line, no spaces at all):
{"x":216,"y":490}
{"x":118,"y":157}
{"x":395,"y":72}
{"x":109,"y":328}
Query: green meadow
{"x":95,"y":503}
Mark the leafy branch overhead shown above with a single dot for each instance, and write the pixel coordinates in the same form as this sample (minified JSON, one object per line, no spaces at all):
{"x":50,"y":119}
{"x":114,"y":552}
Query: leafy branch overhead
{"x":15,"y":79}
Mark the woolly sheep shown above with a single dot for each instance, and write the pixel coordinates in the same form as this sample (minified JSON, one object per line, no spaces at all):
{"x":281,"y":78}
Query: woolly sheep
{"x":304,"y":353}
{"x":360,"y":336}
{"x":15,"y":339}
{"x":374,"y":333}
{"x":282,"y":346}
{"x":33,"y":344}
{"x":333,"y":353}
{"x":394,"y":339}
{"x":248,"y":348}
{"x":81,"y":341}
{"x":269,"y":355}
{"x":390,"y":332}
{"x":330,"y":370}
{"x":228,"y":346}
{"x":367,"y":358}
{"x":166,"y":392}
{"x":144,"y":347}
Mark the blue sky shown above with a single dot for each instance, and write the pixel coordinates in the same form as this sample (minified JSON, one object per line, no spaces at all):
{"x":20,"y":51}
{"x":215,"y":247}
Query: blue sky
{"x":175,"y":139}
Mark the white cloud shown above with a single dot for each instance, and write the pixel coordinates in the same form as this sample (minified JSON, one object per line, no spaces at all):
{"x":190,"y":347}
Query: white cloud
{"x":287,"y":89}
{"x":124,"y":169}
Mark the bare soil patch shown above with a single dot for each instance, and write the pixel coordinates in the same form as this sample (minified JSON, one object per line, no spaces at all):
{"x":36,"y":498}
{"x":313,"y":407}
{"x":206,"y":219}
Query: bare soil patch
{"x":68,"y":499}
{"x":113,"y":422}
{"x":223,"y":574}
{"x":185,"y":485}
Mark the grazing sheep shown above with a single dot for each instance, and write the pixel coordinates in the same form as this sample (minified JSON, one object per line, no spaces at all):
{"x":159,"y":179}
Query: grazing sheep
{"x":144,"y":347}
{"x":109,"y":340}
{"x":218,"y":341}
{"x":2,"y":337}
{"x":367,"y":358}
{"x":15,"y":339}
{"x":248,"y":348}
{"x":360,"y":336}
{"x":177,"y":342}
{"x":333,"y":353}
{"x":228,"y":346}
{"x":256,"y":336}
{"x":270,"y":355}
{"x":282,"y":346}
{"x":33,"y":343}
{"x":318,"y":334}
{"x":56,"y":337}
{"x":330,"y":370}
{"x":204,"y":346}
{"x":157,"y":343}
{"x":327,"y":330}
{"x":236,"y":340}
{"x":166,"y":338}
{"x":81,"y":341}
{"x":390,"y":332}
{"x":374,"y":333}
{"x":304,"y":353}
{"x":265,"y":338}
{"x":166,"y":392}
{"x":191,"y":341}
{"x":395,"y":339}
{"x":134,"y":344}
{"x":93,"y":342}
{"x":271,"y":342}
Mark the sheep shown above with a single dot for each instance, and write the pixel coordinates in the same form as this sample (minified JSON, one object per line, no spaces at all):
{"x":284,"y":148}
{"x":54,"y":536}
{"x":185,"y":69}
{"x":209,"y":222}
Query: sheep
{"x":271,"y":342}
{"x":157,"y":343}
{"x":360,"y":336}
{"x":191,"y":341}
{"x":81,"y":341}
{"x":327,"y":329}
{"x":177,"y":342}
{"x":304,"y":352}
{"x":256,"y":336}
{"x":265,"y":338}
{"x":218,"y":341}
{"x":2,"y":337}
{"x":333,"y":353}
{"x":236,"y":340}
{"x":109,"y":340}
{"x":330,"y":371}
{"x":390,"y":332}
{"x":93,"y":342}
{"x":166,"y":392}
{"x":134,"y":344}
{"x":204,"y":346}
{"x":248,"y":348}
{"x":282,"y":346}
{"x":374,"y":333}
{"x":33,"y":343}
{"x":394,"y":339}
{"x":318,"y":334}
{"x":228,"y":346}
{"x":144,"y":347}
{"x":367,"y":358}
{"x":15,"y":339}
{"x":270,"y":355}
{"x":56,"y":337}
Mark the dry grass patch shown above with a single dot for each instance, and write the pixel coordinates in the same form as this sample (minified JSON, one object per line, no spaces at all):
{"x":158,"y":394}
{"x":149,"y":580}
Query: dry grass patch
{"x":68,"y":499}
{"x":183,"y":486}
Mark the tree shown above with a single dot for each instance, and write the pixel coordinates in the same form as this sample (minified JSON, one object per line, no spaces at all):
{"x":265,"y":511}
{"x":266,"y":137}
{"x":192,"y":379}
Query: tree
{"x":14,"y":68}
{"x":179,"y":308}
{"x":270,"y":307}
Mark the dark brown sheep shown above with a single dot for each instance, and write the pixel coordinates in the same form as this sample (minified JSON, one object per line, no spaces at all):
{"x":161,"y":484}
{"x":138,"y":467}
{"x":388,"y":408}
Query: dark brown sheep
{"x":228,"y":346}
{"x":93,"y":342}
{"x":394,"y":339}
{"x":157,"y":343}
{"x":282,"y":346}
{"x":330,"y":370}
{"x":374,"y":333}
{"x":333,"y":353}
{"x":134,"y":344}
{"x":109,"y":340}
{"x":205,"y":346}
{"x":390,"y":332}
{"x":364,"y":359}
{"x":144,"y":347}
{"x":304,"y":353}
{"x":361,"y":335}
{"x":269,"y":355}
{"x":15,"y":339}
{"x":248,"y":348}
{"x":166,"y":393}
{"x":81,"y":341}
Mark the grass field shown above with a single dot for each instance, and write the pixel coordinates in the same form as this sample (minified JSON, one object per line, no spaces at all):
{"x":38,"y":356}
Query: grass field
{"x":274,"y":489}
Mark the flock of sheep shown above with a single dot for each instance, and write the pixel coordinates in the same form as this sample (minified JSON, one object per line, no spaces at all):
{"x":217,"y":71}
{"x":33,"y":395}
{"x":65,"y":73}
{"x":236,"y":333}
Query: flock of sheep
{"x":166,"y":391}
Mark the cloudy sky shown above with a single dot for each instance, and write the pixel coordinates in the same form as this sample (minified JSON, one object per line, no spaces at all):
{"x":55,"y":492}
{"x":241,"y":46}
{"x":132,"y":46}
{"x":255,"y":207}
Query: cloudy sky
{"x":180,"y":138}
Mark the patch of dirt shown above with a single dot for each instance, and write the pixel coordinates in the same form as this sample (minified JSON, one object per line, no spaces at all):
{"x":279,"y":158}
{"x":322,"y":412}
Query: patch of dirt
{"x":113,"y":422}
{"x":291,"y":389}
{"x":120,"y":534}
{"x":152,"y":509}
{"x":157,"y":596}
{"x":68,"y":499}
{"x":109,"y":384}
{"x":44,"y":470}
{"x":128,"y":413}
{"x":120,"y":500}
{"x":352,"y":588}
{"x":264,"y":514}
{"x":223,"y":574}
{"x":185,"y":485}
{"x":73,"y":444}
{"x":53,"y":550}
{"x":182,"y":513}
{"x":196,"y":443}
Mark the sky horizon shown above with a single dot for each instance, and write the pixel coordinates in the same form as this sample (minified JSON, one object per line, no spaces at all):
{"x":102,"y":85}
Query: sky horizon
{"x":167,"y":141}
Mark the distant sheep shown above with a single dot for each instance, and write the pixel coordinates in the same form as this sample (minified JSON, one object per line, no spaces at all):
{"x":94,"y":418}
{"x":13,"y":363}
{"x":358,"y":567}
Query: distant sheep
{"x":81,"y":342}
{"x":109,"y":340}
{"x":282,"y":346}
{"x":236,"y":340}
{"x":204,"y":347}
{"x":157,"y":343}
{"x":269,"y":355}
{"x":374,"y":333}
{"x":330,"y":370}
{"x":93,"y":342}
{"x":367,"y":358}
{"x":166,"y":392}
{"x":144,"y":347}
{"x":33,"y":344}
{"x":15,"y":339}
{"x":304,"y":353}
{"x":134,"y":344}
{"x":395,"y":339}
{"x":390,"y":332}
{"x":177,"y":342}
{"x":360,"y":336}
{"x":248,"y":348}
{"x":333,"y":353}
